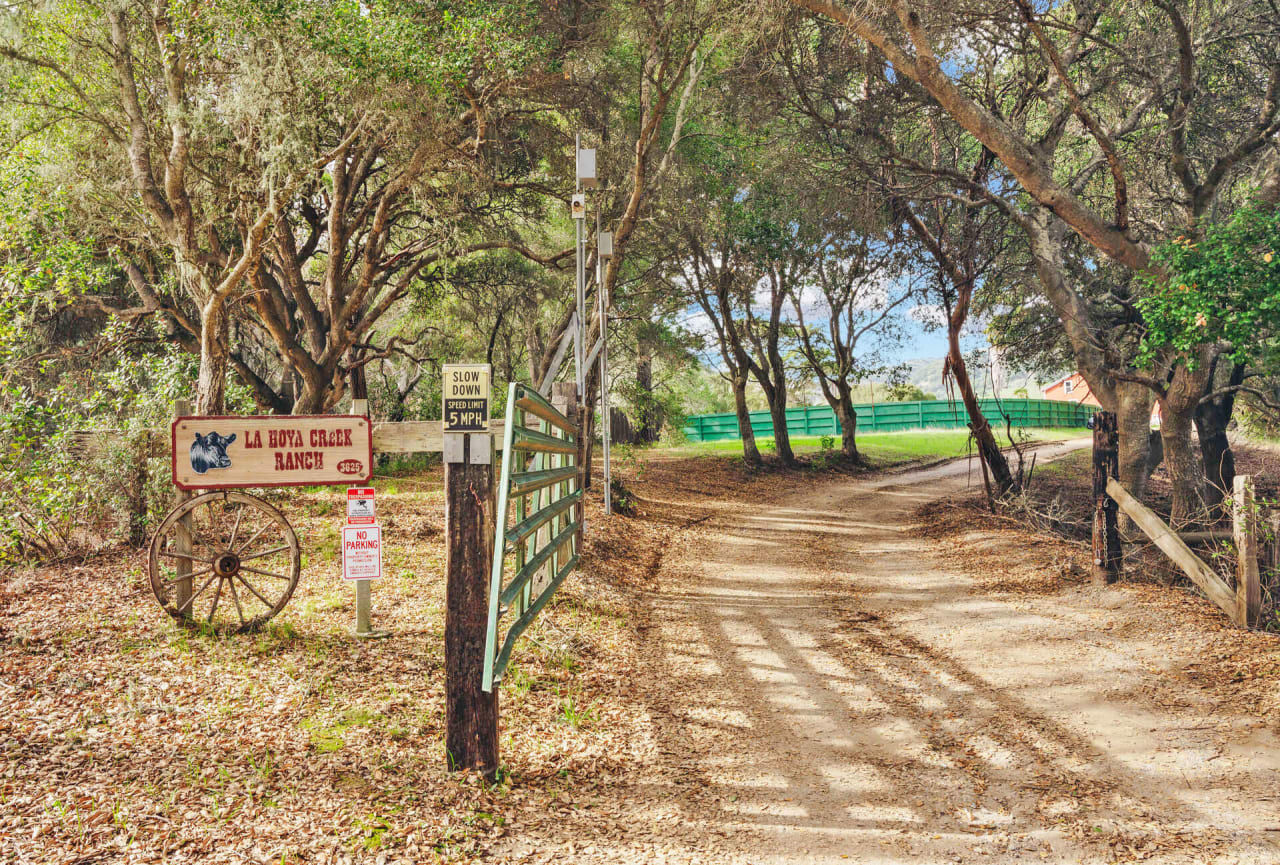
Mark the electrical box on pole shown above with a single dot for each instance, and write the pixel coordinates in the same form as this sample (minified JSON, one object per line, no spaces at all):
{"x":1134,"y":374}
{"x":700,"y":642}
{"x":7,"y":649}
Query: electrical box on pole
{"x":587,"y":168}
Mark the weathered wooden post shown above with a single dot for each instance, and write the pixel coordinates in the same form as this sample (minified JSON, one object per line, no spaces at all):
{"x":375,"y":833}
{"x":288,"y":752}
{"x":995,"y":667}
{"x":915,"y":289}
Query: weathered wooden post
{"x":1106,"y":465}
{"x":1244,"y":516}
{"x":471,"y":715}
{"x":182,"y":533}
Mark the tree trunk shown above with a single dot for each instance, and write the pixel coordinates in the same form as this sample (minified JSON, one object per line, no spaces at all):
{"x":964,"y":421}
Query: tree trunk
{"x":750,"y":453}
{"x":215,"y":353}
{"x":1178,"y":407}
{"x":359,"y":384}
{"x":847,"y":415}
{"x":589,"y":403}
{"x":316,"y":398}
{"x":781,"y":437}
{"x":646,"y":430}
{"x":1180,"y":459}
{"x":1215,"y":449}
{"x":1129,"y":401}
{"x":1212,"y":418}
{"x":1132,"y":407}
{"x":988,"y":450}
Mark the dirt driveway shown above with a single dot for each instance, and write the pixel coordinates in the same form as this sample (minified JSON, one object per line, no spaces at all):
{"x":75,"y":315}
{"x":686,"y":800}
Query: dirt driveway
{"x":827,"y":689}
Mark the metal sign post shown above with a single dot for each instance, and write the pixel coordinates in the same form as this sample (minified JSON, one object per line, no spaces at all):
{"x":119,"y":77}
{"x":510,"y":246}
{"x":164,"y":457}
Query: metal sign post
{"x":604,"y":249}
{"x":579,"y":213}
{"x":364,"y":599}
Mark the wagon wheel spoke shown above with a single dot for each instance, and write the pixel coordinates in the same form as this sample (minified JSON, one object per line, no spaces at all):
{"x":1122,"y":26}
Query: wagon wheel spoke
{"x":175,"y":555}
{"x":256,"y":535}
{"x":192,"y":575}
{"x":261,"y":554}
{"x":196,"y":593}
{"x":256,"y":593}
{"x":231,"y":584}
{"x":235,"y":530}
{"x":265,"y":573}
{"x":217,"y":593}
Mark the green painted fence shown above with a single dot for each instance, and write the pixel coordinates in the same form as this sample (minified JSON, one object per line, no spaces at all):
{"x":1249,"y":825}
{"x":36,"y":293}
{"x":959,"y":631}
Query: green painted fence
{"x":820,"y":420}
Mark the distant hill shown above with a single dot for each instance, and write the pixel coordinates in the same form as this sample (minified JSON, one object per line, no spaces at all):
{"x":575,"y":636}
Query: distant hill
{"x":926,"y":374}
{"x":707,"y":392}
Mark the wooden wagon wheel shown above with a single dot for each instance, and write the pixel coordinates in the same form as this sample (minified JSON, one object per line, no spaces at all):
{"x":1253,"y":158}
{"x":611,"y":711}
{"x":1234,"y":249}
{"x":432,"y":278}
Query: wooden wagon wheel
{"x":241,"y":568}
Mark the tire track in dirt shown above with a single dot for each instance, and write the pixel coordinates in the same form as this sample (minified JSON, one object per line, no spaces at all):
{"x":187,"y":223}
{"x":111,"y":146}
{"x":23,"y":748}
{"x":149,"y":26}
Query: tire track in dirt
{"x":836,"y":684}
{"x":824,"y":690}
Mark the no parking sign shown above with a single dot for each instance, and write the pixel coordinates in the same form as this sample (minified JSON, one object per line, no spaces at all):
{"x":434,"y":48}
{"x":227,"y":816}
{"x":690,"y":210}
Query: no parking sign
{"x":361,"y":552}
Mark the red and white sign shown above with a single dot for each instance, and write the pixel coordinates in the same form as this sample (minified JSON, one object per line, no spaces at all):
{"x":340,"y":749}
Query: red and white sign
{"x":360,"y":511}
{"x":361,"y":552}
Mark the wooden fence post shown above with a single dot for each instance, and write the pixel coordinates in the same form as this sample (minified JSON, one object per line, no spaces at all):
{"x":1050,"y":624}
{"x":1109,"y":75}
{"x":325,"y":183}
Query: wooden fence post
{"x":1106,"y":465}
{"x":471,"y":715}
{"x":182,"y":533}
{"x":1244,"y":517}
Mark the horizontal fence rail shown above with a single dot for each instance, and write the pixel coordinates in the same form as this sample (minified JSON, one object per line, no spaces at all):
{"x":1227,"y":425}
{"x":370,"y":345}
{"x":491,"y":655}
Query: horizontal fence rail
{"x":540,"y":479}
{"x":820,"y":420}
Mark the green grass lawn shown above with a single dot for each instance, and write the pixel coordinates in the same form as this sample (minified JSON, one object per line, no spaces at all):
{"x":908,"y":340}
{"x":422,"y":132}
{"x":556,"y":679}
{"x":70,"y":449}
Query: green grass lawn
{"x":887,"y":448}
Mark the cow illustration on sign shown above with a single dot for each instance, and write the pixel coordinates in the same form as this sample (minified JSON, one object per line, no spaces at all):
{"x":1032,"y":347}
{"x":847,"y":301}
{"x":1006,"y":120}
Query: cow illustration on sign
{"x":210,"y":452}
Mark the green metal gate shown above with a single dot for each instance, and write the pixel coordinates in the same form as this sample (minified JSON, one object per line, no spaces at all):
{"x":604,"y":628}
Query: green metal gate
{"x":540,"y":478}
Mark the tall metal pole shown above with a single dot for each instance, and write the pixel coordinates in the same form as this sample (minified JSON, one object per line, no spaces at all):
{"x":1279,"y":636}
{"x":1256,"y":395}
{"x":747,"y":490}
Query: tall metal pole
{"x":580,"y":235}
{"x":606,"y":422}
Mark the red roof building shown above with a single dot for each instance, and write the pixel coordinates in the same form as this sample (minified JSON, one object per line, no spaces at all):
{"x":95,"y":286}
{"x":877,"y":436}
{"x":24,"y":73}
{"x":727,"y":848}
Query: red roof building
{"x":1073,"y":388}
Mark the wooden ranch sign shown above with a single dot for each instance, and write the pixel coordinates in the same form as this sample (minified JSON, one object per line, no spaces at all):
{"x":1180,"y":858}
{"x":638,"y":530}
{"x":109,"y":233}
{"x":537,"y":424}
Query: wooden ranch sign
{"x":287,"y":451}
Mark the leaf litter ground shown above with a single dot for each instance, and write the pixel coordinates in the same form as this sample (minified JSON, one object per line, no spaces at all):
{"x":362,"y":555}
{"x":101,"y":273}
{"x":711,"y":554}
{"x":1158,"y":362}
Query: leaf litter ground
{"x":128,"y":739}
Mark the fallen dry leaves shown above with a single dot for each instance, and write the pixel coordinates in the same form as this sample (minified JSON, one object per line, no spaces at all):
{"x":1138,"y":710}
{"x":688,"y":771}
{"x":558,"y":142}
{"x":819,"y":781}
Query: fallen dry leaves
{"x":126,"y":738}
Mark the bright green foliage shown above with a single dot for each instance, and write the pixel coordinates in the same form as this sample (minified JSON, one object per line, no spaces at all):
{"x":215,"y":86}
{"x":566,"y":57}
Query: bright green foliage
{"x":1225,"y":287}
{"x":62,"y":497}
{"x":437,"y":45}
{"x":42,"y":262}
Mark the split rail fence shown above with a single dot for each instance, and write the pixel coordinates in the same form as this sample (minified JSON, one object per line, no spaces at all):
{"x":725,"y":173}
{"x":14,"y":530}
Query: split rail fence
{"x":1242,"y":602}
